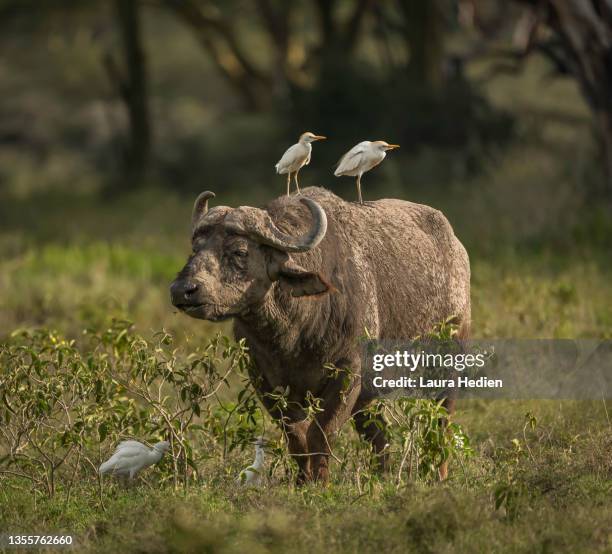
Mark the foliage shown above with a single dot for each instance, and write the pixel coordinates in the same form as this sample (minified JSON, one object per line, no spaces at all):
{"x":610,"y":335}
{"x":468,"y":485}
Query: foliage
{"x":566,"y":506}
{"x":71,"y":258}
{"x":423,"y":427}
{"x":511,"y":491}
{"x":48,"y":278}
{"x":427,"y":437}
{"x":65,"y":404}
{"x":63,"y":407}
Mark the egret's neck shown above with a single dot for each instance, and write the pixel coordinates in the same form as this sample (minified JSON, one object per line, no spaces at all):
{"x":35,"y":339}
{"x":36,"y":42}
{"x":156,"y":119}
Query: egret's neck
{"x":259,"y":456}
{"x":158,"y":453}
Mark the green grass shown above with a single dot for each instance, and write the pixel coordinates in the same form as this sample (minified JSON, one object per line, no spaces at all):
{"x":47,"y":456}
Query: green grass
{"x":72,"y":259}
{"x":68,"y":287}
{"x":560,"y":474}
{"x":562,"y":505}
{"x":118,"y":266}
{"x":540,"y":268}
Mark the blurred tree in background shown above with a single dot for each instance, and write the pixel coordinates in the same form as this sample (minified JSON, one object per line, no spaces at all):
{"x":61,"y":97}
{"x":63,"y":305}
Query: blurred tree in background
{"x":184,"y":92}
{"x":132,"y":88}
{"x":584,"y":29}
{"x":576,"y":37}
{"x":115,"y":113}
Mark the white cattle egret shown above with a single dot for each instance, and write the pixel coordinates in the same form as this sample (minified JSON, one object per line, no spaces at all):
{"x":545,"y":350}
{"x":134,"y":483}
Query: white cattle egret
{"x":132,"y":456}
{"x":253,"y":475}
{"x":296,"y":157}
{"x":361,"y":158}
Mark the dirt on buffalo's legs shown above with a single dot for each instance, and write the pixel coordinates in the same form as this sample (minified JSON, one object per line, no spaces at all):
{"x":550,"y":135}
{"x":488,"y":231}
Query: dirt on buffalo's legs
{"x":298,"y":448}
{"x":337,"y":403}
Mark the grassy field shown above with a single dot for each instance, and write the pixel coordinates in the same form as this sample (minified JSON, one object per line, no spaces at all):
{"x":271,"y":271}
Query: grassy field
{"x":540,"y":476}
{"x":558,"y":478}
{"x":539,"y":480}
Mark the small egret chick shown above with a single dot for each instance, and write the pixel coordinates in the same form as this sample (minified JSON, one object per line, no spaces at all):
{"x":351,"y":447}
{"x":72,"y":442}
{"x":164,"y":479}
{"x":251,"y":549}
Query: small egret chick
{"x":130,"y":457}
{"x":253,"y":475}
{"x":362,"y":158}
{"x":296,"y":157}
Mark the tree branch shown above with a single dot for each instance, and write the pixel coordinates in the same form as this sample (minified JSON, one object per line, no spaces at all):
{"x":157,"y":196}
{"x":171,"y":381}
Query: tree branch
{"x":218,"y":37}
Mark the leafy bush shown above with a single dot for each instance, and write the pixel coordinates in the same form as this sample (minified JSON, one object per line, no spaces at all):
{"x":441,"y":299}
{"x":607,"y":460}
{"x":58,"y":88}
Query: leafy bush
{"x":64,"y":405}
{"x":61,"y":408}
{"x":426,"y":436}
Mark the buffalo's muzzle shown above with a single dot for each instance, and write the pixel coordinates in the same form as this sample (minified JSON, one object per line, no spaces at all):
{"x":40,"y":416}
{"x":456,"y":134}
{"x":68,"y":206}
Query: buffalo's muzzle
{"x":183,"y":293}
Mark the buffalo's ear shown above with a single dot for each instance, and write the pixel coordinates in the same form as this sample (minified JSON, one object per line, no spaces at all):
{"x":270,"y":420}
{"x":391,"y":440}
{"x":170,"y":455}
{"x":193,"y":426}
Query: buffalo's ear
{"x":298,"y":280}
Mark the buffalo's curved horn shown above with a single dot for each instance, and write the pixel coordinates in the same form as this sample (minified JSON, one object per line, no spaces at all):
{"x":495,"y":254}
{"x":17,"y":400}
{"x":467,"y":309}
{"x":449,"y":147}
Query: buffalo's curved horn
{"x":257,"y":224}
{"x":200,"y":207}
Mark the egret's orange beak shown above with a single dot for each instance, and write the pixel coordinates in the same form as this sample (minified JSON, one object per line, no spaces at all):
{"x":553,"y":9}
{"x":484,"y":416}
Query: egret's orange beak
{"x":319,"y":137}
{"x":392,"y":146}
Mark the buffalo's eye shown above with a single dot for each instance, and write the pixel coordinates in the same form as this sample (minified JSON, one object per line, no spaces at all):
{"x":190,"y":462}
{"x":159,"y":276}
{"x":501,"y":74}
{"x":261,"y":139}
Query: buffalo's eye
{"x":240,"y":253}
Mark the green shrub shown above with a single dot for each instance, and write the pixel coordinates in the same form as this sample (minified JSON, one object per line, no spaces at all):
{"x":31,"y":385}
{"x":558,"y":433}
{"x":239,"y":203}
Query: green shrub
{"x":62,"y":407}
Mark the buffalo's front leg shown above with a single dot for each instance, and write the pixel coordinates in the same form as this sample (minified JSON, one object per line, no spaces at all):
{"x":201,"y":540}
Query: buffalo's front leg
{"x":298,"y":448}
{"x":337,"y":400}
{"x":292,"y":421}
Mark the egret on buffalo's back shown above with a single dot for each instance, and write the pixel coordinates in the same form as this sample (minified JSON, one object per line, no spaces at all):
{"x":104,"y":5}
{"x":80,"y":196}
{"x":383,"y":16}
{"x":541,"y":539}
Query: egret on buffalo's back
{"x":131,"y":456}
{"x":296,"y":157}
{"x":361,"y":158}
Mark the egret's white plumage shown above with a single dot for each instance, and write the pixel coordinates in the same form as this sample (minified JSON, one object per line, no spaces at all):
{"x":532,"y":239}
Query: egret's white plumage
{"x":361,"y":158}
{"x":296,"y":157}
{"x":253,"y":475}
{"x":130,"y":457}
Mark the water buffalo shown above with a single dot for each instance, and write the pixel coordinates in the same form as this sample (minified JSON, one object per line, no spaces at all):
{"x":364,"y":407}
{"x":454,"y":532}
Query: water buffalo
{"x":303,"y":278}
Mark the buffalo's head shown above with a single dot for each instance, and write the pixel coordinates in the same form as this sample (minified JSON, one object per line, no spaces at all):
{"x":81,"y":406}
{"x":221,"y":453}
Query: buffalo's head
{"x":237,"y":255}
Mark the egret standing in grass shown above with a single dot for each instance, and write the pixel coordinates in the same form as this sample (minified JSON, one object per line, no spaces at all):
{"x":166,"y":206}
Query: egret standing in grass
{"x":296,"y":157}
{"x":130,"y":457}
{"x":361,"y":158}
{"x":253,"y":475}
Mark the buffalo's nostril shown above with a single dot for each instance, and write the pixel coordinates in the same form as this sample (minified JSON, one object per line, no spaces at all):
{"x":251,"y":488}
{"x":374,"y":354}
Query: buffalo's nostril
{"x":190,"y":289}
{"x":182,"y":292}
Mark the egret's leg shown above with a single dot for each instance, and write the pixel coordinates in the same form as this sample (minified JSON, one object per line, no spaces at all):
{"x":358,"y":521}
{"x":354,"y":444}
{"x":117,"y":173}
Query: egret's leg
{"x":288,"y":183}
{"x":297,"y":184}
{"x":359,"y":189}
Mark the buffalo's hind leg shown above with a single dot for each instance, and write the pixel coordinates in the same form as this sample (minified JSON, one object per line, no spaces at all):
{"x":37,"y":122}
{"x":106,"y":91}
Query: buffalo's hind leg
{"x":373,"y":428}
{"x":451,"y":400}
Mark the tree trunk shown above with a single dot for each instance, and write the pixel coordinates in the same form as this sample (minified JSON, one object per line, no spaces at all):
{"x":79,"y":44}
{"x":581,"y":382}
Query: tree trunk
{"x":588,"y":39}
{"x":275,"y":17}
{"x":585,"y":28}
{"x":134,"y":89}
{"x":605,"y":125}
{"x":423,"y":34}
{"x":219,"y":38}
